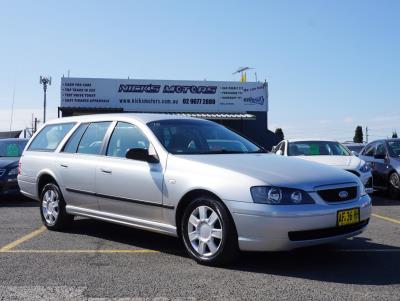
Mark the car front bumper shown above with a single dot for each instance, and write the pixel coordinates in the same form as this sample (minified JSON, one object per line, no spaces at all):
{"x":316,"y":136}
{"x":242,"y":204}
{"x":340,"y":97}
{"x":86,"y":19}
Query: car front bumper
{"x":263,"y":227}
{"x":9,"y":186}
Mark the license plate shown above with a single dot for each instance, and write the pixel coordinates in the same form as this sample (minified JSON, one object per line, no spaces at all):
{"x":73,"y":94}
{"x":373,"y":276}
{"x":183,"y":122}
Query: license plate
{"x":348,"y":217}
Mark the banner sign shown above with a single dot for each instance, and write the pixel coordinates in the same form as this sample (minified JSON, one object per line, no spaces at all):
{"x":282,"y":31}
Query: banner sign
{"x":141,"y":95}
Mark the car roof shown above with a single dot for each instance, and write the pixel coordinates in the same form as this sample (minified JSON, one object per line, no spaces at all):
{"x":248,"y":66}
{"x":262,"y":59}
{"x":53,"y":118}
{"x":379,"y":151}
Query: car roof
{"x":311,"y":139}
{"x":140,"y":117}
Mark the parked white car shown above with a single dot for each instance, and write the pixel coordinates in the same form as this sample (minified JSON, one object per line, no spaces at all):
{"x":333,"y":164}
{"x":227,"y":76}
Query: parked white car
{"x":327,"y":152}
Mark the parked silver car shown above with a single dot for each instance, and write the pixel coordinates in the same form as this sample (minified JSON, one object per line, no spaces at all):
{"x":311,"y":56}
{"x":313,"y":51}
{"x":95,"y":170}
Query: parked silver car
{"x":189,"y":178}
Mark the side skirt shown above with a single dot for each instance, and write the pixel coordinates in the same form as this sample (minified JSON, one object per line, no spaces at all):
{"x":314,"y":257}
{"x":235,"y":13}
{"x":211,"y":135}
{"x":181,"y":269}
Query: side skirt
{"x":124,"y":220}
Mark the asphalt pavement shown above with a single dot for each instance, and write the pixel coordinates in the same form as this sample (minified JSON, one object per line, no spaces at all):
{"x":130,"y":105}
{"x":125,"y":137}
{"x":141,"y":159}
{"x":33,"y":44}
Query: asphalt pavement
{"x":100,"y":261}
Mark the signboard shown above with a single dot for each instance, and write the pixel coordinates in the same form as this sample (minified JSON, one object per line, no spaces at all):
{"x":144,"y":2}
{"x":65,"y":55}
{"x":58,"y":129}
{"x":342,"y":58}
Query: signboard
{"x":141,"y":95}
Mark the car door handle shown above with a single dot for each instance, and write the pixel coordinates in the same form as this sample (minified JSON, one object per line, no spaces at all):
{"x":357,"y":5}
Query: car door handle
{"x":107,"y":171}
{"x":64,"y":165}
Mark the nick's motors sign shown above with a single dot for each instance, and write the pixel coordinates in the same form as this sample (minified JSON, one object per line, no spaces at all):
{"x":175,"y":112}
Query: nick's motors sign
{"x":163,"y":95}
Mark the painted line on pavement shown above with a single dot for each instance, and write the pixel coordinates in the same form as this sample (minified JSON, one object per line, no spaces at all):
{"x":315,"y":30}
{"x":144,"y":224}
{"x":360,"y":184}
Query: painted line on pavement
{"x":23,"y":239}
{"x":389,"y":219}
{"x":79,"y":251}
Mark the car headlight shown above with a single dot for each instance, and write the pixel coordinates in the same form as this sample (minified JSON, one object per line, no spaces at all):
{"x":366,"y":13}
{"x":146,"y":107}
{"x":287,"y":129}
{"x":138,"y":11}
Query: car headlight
{"x":13,"y":171}
{"x":279,"y":196}
{"x":365,"y":167}
{"x":362,"y":190}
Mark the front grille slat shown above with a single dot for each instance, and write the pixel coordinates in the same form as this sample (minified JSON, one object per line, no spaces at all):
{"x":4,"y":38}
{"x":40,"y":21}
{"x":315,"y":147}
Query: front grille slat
{"x":333,"y":195}
{"x":327,"y":232}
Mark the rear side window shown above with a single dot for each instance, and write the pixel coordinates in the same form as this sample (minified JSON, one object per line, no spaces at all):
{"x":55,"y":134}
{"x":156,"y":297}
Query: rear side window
{"x":50,"y":137}
{"x":73,"y":142}
{"x":92,"y":140}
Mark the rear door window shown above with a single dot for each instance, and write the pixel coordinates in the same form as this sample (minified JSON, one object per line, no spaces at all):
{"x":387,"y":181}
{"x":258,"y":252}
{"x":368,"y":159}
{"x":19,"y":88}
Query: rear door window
{"x":73,"y":142}
{"x":50,"y":137}
{"x":93,"y":137}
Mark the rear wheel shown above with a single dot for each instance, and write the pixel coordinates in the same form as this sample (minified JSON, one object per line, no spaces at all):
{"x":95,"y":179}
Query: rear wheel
{"x":52,"y":208}
{"x":394,"y":185}
{"x":208,"y":232}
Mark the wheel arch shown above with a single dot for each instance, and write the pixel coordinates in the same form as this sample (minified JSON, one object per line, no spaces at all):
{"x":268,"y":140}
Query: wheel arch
{"x":185,"y":201}
{"x":44,"y":178}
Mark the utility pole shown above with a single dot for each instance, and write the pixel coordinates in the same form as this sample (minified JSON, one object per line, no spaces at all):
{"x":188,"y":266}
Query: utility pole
{"x":366,"y":134}
{"x":45,"y":81}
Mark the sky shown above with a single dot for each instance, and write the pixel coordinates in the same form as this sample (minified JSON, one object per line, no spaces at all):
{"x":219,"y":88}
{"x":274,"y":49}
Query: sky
{"x":330,"y":65}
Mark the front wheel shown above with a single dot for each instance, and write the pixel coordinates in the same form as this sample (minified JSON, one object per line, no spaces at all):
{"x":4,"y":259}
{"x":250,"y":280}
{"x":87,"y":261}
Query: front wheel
{"x":394,"y":185}
{"x":208,"y":232}
{"x":52,"y":208}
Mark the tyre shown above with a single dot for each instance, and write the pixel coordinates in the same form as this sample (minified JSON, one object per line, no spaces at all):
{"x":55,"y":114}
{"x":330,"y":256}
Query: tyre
{"x":52,"y":208}
{"x":208,"y":232}
{"x":394,"y":185}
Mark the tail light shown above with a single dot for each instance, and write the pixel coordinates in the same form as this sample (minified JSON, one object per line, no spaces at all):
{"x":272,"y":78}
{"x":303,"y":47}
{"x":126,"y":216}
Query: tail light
{"x":19,"y":168}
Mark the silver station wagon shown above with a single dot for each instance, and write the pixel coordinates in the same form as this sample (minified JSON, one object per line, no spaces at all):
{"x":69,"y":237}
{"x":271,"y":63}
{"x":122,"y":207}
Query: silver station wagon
{"x":190,"y":178}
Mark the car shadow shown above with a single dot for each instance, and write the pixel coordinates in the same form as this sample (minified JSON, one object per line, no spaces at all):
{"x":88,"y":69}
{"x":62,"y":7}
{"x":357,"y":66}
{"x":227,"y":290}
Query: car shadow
{"x":353,"y":261}
{"x":17,"y":201}
{"x":380,"y":199}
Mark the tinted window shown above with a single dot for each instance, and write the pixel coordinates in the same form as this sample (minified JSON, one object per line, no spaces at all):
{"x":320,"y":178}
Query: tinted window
{"x":12,"y":148}
{"x":72,"y":144}
{"x":183,"y":136}
{"x":124,"y":137}
{"x":50,"y":137}
{"x":369,"y":150}
{"x":394,"y":148}
{"x":380,"y":149}
{"x":92,"y":140}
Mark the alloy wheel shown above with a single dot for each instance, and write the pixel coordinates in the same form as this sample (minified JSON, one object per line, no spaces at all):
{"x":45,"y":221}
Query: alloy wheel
{"x":50,"y":207}
{"x":204,"y":230}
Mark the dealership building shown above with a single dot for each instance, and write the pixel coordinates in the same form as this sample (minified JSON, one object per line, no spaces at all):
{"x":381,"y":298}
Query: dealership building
{"x":241,"y":106}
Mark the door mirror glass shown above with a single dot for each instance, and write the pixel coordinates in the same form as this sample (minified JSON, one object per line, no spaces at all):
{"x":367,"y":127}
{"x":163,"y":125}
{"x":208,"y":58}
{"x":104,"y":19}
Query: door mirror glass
{"x":141,"y":154}
{"x":279,"y":152}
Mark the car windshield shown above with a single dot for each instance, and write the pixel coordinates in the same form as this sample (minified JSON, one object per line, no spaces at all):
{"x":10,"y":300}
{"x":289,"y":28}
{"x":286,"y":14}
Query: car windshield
{"x":183,"y":136}
{"x":317,"y":148}
{"x":12,"y":148}
{"x":394,"y":148}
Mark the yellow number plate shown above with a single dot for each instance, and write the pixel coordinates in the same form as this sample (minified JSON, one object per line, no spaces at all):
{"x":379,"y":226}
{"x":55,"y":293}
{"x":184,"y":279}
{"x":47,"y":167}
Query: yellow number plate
{"x":348,"y":217}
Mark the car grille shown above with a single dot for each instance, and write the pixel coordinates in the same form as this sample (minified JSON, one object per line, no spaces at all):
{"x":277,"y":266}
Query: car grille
{"x":327,"y":232}
{"x":2,"y":171}
{"x":353,"y":172}
{"x":333,"y":195}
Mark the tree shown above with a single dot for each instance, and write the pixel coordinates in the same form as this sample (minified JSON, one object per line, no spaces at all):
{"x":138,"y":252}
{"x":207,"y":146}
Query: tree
{"x":394,"y":135}
{"x":358,"y":136}
{"x":279,"y":134}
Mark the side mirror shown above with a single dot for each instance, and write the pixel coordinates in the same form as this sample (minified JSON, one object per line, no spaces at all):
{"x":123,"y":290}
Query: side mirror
{"x":279,"y":152}
{"x":141,"y":154}
{"x":380,"y":156}
{"x":354,"y":153}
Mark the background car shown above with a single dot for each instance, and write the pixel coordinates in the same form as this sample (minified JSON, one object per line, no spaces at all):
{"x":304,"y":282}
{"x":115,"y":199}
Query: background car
{"x":384,"y":158}
{"x":355,"y":148}
{"x":330,"y":153}
{"x":10,"y":152}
